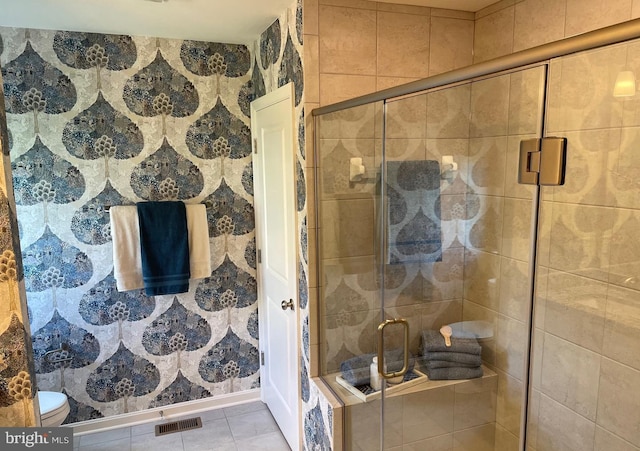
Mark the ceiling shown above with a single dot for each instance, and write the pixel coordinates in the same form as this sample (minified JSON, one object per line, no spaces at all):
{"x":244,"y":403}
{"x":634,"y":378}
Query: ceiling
{"x":229,"y":21}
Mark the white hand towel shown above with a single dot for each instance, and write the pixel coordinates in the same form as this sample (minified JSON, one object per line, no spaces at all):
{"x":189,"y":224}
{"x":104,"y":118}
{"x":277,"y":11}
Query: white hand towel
{"x":199,"y":254}
{"x":125,"y":234}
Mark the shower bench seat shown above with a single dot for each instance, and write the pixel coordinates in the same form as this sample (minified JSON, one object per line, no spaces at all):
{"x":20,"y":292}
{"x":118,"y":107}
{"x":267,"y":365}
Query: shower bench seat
{"x":420,"y":385}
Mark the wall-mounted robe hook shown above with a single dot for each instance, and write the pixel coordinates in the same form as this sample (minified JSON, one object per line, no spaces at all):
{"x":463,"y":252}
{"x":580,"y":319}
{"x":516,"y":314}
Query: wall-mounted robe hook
{"x":356,"y":169}
{"x":448,"y":168}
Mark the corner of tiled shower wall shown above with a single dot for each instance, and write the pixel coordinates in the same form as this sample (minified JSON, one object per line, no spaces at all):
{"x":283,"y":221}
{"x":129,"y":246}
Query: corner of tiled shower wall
{"x":322,"y":423}
{"x":98,"y":120}
{"x":281,"y":45}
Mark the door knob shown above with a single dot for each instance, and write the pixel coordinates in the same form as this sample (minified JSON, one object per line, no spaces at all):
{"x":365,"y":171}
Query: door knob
{"x":287,"y":304}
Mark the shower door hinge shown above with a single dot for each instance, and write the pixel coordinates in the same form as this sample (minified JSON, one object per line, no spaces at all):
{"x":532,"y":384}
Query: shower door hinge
{"x":255,"y":145}
{"x":542,"y":161}
{"x":262,"y":358}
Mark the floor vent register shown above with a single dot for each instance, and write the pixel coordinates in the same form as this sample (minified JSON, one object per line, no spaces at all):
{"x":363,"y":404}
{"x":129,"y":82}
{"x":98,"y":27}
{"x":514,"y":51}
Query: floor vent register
{"x":178,"y":426}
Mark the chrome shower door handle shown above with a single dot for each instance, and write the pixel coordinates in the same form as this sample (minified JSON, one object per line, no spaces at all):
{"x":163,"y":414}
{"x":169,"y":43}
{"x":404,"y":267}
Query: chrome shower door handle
{"x":381,"y":365}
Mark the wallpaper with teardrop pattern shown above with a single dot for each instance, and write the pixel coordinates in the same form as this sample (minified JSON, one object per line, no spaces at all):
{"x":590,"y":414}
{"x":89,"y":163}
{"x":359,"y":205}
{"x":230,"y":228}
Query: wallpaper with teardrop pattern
{"x":280,"y":51}
{"x":17,"y":375}
{"x":99,"y":120}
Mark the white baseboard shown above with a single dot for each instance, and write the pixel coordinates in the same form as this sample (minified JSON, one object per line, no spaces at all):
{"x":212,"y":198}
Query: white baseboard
{"x":168,"y":412}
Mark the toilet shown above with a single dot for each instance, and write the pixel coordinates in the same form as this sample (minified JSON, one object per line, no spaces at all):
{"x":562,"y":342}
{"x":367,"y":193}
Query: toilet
{"x":54,"y":408}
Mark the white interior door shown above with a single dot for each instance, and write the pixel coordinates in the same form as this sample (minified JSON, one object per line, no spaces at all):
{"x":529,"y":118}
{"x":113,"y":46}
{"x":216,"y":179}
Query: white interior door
{"x":274,"y":196}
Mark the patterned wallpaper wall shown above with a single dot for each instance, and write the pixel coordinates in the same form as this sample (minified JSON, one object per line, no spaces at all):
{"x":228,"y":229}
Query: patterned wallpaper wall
{"x":122,"y":119}
{"x":17,"y":375}
{"x":280,"y":49}
{"x":98,"y":120}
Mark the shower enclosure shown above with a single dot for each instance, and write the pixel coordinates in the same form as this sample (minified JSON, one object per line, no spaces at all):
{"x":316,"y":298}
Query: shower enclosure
{"x":431,"y":213}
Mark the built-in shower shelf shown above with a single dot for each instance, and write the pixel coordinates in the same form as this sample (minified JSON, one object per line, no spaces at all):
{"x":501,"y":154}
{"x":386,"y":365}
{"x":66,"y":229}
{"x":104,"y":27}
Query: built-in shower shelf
{"x":351,"y":395}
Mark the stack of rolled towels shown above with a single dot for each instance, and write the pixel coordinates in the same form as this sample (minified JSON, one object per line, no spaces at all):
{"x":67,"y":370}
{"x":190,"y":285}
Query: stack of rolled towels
{"x":461,"y":360}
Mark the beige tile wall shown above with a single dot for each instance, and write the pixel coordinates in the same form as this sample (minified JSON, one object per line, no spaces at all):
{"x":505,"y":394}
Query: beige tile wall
{"x":504,"y":111}
{"x":354,"y":47}
{"x":512,"y":25}
{"x":485,"y":231}
{"x":359,"y":47}
{"x":447,"y":417}
{"x":605,"y":323}
{"x":584,"y":323}
{"x":587,"y":337}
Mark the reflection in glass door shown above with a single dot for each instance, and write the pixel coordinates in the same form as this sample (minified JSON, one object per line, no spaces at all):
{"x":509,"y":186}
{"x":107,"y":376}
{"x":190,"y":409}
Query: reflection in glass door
{"x":348,"y":145}
{"x":436,"y":231}
{"x":420,"y":217}
{"x":586,"y":360}
{"x":478,"y":284}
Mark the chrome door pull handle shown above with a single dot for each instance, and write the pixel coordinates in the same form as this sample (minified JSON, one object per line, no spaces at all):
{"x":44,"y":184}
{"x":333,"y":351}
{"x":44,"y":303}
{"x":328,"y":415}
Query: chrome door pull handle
{"x":287,"y":304}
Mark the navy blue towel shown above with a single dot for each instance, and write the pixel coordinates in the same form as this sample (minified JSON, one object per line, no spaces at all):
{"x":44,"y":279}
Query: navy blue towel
{"x":164,"y":247}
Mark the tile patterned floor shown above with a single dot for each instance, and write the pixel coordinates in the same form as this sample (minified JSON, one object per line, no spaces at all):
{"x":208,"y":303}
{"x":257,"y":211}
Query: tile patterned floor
{"x":246,"y":427}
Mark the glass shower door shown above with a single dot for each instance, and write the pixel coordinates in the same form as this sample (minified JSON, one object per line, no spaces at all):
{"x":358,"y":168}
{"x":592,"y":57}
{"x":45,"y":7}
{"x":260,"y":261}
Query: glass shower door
{"x":586,"y":360}
{"x":454,"y":248}
{"x":421,"y":218}
{"x":437,"y":231}
{"x":349,"y":143}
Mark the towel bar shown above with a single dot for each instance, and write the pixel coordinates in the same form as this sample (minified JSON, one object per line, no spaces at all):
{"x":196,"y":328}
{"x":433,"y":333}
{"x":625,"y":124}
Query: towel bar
{"x":207,"y":204}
